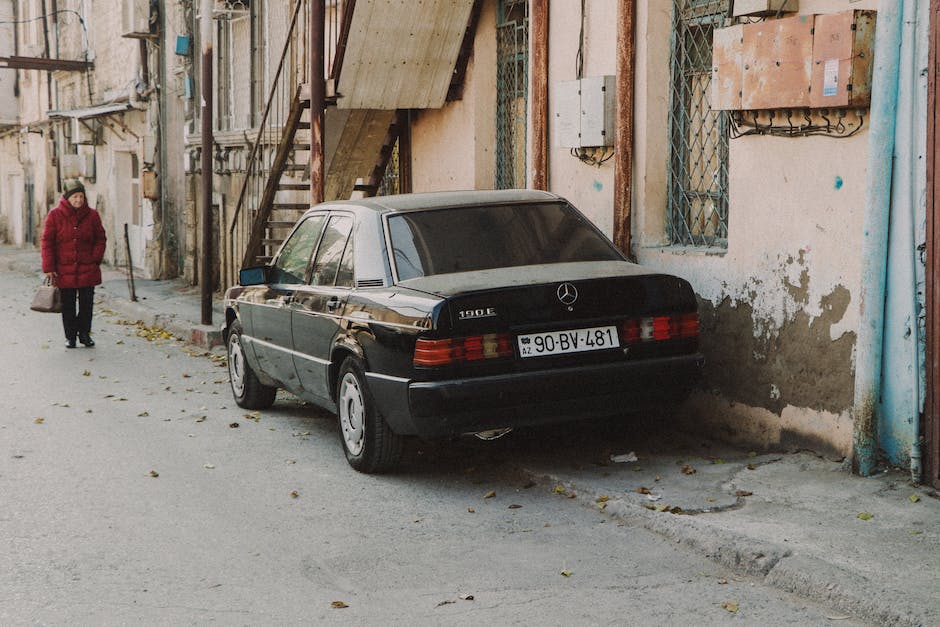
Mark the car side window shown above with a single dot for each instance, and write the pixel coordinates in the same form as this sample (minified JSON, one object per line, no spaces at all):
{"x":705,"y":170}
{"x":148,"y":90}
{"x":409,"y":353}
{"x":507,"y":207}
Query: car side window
{"x":346,"y":275}
{"x":291,"y":264}
{"x":330,"y":253}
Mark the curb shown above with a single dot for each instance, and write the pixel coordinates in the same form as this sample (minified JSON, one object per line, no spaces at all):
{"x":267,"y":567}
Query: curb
{"x":805,"y":576}
{"x":203,"y":336}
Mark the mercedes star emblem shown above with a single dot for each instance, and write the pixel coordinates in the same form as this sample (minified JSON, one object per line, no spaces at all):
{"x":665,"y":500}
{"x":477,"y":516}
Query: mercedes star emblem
{"x":567,"y":293}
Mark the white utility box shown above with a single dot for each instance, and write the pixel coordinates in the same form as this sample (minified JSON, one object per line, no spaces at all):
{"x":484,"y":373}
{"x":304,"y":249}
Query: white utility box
{"x":584,"y":112}
{"x":765,"y":7}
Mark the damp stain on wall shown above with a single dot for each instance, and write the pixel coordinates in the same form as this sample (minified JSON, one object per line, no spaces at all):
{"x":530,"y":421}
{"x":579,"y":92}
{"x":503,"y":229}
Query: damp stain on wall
{"x":799,"y":364}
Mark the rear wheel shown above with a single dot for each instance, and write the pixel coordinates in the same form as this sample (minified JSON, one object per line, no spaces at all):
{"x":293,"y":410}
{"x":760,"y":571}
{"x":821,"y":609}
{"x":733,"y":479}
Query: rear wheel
{"x":369,"y":443}
{"x":248,"y":391}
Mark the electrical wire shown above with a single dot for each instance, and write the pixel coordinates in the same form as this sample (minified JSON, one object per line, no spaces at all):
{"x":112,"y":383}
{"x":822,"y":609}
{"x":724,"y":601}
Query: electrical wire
{"x":742,"y":127}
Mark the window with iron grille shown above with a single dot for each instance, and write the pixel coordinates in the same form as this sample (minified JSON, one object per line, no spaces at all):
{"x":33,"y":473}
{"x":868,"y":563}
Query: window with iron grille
{"x":698,"y":163}
{"x":512,"y":93}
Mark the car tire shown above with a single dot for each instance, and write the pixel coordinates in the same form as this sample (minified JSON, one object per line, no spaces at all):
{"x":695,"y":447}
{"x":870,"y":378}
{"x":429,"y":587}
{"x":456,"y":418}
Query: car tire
{"x":369,"y":443}
{"x":248,"y":391}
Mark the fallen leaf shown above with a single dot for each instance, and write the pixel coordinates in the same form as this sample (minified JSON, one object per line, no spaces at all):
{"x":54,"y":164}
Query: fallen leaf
{"x":688,"y":470}
{"x":559,"y":489}
{"x":752,"y":454}
{"x":143,"y":414}
{"x":711,"y":500}
{"x":86,"y":373}
{"x":208,"y":466}
{"x":915,"y":532}
{"x":642,"y":490}
{"x":470,"y":510}
{"x":661,"y":508}
{"x":866,"y":516}
{"x":654,"y":497}
{"x":722,"y":581}
{"x":515,"y":506}
{"x":566,"y":573}
{"x":718,"y":460}
{"x":624,"y":458}
{"x":751,"y":467}
{"x":447,"y":602}
{"x":294,"y":494}
{"x":234,"y":425}
{"x":914,"y":498}
{"x":154,"y":473}
{"x":731,"y":606}
{"x":743,"y":493}
{"x":39,"y":421}
{"x":466,"y":597}
{"x":490,"y":494}
{"x":602,"y":499}
{"x":338,"y":605}
{"x":602,"y":506}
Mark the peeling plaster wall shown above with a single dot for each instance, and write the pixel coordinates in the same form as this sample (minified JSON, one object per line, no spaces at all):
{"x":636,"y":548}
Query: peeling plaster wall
{"x":454,"y":147}
{"x":780,"y":305}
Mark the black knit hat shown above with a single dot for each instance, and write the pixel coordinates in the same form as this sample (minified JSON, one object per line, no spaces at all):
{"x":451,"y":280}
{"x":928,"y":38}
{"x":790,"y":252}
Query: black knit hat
{"x":72,"y":186}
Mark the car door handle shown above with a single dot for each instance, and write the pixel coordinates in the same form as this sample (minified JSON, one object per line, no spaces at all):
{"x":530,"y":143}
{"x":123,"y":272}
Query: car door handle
{"x":332,"y":304}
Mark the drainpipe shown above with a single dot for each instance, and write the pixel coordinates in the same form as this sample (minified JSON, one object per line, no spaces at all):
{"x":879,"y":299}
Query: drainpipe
{"x":906,"y":216}
{"x":205,"y":281}
{"x":623,"y":144}
{"x":538,"y":22}
{"x":875,"y":238}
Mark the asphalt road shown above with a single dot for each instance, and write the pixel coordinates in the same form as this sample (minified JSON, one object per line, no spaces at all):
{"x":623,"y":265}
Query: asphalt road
{"x":134,"y":491}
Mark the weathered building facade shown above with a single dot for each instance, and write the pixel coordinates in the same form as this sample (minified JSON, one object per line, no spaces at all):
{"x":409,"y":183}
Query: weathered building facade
{"x":770,"y":207}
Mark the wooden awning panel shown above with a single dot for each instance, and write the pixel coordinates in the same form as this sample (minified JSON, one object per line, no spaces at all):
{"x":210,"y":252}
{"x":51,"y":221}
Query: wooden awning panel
{"x":401,"y":54}
{"x":42,"y":63}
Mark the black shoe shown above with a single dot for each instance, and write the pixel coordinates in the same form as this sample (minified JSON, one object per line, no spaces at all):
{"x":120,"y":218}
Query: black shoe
{"x":70,"y":342}
{"x":85,"y":339}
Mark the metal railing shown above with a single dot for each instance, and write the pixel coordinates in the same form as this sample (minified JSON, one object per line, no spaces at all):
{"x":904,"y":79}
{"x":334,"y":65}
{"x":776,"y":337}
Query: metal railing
{"x":290,"y":74}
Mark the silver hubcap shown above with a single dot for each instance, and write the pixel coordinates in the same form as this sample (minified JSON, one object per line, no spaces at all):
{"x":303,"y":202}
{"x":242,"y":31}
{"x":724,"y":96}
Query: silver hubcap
{"x":236,"y":366}
{"x":351,"y":413}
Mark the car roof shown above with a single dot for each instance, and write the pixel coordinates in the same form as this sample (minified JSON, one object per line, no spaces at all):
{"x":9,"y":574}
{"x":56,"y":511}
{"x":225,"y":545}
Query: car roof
{"x":440,"y":200}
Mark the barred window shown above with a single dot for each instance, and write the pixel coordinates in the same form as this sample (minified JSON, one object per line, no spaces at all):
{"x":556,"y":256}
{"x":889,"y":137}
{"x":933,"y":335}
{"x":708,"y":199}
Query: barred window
{"x":512,"y":79}
{"x":698,"y":162}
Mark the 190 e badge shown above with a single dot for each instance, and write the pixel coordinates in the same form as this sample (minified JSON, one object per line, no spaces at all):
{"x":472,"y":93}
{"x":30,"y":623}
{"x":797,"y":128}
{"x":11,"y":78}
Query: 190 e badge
{"x":469,"y":314}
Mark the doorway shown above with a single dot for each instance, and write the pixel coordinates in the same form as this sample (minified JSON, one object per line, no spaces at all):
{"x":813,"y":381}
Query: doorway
{"x":932,"y":405}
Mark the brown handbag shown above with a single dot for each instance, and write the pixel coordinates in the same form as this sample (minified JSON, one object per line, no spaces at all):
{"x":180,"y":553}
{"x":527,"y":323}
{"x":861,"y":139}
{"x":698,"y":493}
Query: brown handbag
{"x":47,"y":298}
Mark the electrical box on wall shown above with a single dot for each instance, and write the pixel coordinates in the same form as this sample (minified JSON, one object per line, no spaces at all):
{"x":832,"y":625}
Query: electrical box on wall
{"x":764,"y":7}
{"x":584,"y":112}
{"x":842,"y":59}
{"x":804,"y":61}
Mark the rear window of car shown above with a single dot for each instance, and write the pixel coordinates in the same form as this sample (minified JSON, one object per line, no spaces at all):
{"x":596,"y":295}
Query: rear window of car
{"x":464,"y":239}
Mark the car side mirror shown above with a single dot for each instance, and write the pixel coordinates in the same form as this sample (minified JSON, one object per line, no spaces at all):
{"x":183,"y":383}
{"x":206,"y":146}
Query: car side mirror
{"x":255,"y":275}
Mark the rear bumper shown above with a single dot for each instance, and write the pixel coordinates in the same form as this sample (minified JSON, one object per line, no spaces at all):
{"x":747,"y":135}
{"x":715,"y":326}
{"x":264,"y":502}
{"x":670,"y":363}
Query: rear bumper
{"x":436,"y":409}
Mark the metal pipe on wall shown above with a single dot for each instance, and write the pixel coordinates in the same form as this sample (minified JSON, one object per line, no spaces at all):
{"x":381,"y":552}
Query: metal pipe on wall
{"x":315,"y":35}
{"x":623,"y":142}
{"x":869,"y":347}
{"x":205,"y":264}
{"x":538,"y":21}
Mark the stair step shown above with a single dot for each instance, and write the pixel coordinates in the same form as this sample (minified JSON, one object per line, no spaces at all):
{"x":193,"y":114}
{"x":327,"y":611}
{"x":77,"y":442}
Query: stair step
{"x":300,"y":187}
{"x":300,"y":146}
{"x":291,"y":205}
{"x":295,"y":167}
{"x":272,"y":241}
{"x":304,"y":126}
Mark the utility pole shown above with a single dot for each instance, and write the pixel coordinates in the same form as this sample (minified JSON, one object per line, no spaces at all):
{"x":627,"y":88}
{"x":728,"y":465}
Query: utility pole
{"x":205,"y":264}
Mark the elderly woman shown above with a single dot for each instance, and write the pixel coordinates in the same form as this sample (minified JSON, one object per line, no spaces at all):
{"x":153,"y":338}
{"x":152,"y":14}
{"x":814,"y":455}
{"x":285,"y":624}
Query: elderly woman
{"x":73,"y":242}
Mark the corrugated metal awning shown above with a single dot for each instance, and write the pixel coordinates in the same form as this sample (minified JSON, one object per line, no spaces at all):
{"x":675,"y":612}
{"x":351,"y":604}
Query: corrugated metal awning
{"x":401,"y":54}
{"x":91,"y":112}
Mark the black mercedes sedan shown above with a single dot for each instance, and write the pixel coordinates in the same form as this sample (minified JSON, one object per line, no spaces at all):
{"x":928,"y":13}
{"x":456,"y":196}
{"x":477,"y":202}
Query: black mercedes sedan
{"x":441,"y":314}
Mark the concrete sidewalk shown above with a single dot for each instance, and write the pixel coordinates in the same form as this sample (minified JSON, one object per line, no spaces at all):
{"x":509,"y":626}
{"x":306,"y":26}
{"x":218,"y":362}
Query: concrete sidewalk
{"x":869,"y":547}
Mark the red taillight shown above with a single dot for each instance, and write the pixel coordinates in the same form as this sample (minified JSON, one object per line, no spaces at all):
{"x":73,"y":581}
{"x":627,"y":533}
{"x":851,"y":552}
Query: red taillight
{"x":462,"y":349}
{"x":659,"y":328}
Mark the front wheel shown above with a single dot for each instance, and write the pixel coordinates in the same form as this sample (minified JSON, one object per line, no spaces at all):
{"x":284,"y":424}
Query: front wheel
{"x":248,"y":391}
{"x":369,"y":443}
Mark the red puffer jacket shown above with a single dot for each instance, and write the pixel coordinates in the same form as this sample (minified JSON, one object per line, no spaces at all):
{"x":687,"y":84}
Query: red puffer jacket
{"x":73,"y":245}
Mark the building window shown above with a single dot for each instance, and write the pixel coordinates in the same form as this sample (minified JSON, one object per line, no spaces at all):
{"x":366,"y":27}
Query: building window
{"x":512,"y":94}
{"x":698,"y":162}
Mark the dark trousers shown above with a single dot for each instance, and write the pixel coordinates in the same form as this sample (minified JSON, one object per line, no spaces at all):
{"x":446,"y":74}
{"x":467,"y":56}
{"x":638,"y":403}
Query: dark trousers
{"x":80,"y":322}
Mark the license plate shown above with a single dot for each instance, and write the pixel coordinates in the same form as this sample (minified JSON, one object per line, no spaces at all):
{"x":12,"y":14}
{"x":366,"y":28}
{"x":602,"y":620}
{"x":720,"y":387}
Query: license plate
{"x":572,"y":341}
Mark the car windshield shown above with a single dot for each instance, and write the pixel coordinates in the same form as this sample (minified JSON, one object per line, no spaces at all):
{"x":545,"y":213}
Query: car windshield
{"x":464,"y":239}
